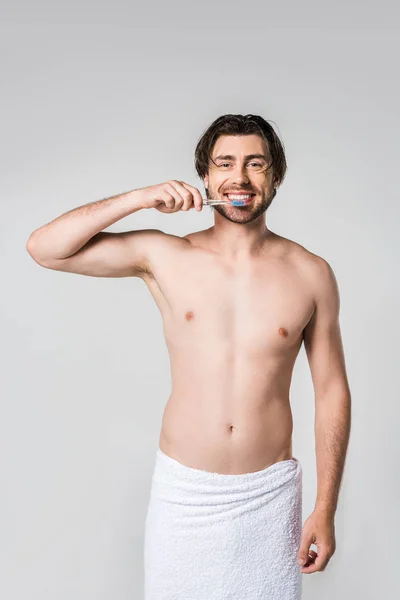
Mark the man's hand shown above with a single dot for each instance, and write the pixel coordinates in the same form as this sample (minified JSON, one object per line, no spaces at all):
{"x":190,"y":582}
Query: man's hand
{"x":318,"y":529}
{"x":171,"y":196}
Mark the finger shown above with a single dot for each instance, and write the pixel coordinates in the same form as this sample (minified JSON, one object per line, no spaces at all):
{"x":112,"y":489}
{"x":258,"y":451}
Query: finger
{"x":312,"y":554}
{"x":168,"y":200}
{"x":304,"y":549}
{"x":197,"y":197}
{"x":311,"y":558}
{"x":319,"y":564}
{"x":178,"y":198}
{"x":185,"y":194}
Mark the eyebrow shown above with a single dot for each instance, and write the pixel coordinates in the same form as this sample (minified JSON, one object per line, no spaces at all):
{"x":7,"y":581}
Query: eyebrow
{"x":247,"y":157}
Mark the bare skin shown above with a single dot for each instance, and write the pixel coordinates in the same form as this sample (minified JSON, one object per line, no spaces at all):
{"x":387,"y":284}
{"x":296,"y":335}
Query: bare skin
{"x":237,"y":301}
{"x":233,"y":331}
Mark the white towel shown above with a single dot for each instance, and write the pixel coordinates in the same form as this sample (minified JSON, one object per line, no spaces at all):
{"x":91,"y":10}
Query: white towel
{"x":218,"y":536}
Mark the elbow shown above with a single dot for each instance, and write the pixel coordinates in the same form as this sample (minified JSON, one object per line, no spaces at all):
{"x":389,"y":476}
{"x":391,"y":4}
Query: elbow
{"x":32,"y":249}
{"x":30,"y":245}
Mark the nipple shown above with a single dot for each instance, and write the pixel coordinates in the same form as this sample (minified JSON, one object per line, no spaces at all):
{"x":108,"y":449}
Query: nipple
{"x":189,"y":315}
{"x":283,"y":332}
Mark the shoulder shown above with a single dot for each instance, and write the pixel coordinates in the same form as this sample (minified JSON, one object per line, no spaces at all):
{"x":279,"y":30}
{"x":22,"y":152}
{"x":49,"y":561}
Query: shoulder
{"x":315,"y":270}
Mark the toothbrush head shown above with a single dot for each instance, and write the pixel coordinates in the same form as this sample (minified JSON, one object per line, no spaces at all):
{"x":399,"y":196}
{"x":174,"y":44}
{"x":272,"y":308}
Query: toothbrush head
{"x":238,"y":203}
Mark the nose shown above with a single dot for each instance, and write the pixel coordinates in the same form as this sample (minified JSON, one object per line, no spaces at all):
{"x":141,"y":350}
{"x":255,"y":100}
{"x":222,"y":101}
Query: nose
{"x":240,"y":174}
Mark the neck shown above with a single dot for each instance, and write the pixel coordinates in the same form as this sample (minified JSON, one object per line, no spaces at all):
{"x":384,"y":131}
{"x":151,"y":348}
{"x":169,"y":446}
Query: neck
{"x":235,"y":241}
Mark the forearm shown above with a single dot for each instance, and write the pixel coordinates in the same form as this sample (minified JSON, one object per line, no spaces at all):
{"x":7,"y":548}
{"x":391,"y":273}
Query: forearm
{"x":69,"y":232}
{"x":332,"y":432}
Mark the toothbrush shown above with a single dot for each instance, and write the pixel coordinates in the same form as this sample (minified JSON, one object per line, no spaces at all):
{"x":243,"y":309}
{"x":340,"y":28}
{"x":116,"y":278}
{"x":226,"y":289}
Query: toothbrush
{"x":210,"y":202}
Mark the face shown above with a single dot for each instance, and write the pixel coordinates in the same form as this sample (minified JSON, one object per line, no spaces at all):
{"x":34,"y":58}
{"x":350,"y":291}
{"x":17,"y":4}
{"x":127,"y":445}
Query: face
{"x":240,"y":165}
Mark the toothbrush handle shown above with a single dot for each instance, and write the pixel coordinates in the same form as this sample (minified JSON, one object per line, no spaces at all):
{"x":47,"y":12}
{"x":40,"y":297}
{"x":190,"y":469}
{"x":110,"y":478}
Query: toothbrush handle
{"x":211,"y":202}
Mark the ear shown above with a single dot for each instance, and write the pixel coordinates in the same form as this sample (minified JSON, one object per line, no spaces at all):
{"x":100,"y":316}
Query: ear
{"x":205,"y":181}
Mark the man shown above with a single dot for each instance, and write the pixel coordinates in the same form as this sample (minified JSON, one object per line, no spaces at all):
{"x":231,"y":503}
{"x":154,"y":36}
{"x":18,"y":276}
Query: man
{"x":237,"y":301}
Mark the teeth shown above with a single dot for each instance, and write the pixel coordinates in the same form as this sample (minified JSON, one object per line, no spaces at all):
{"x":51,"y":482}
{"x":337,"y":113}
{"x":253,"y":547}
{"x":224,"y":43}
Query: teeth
{"x":237,"y":197}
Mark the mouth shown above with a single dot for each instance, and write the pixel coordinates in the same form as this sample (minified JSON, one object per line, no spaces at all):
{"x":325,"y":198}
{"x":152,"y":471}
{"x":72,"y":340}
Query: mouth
{"x":239,"y":199}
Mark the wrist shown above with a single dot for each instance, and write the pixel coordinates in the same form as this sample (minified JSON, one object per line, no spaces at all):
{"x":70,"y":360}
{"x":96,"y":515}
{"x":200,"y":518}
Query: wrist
{"x":134,"y":200}
{"x":325,"y":510}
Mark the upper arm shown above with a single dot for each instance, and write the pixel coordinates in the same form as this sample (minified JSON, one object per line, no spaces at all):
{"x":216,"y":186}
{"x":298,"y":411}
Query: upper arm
{"x":106,"y":254}
{"x":322,"y":335}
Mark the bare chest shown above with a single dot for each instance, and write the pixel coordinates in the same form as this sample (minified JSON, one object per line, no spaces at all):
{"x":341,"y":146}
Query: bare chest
{"x":254,"y":308}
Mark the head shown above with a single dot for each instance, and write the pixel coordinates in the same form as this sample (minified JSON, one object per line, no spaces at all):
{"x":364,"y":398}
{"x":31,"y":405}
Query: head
{"x":241,"y":153}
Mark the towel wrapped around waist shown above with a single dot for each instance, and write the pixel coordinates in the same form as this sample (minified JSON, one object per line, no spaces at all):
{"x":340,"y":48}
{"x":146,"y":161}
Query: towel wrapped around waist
{"x":217,"y":536}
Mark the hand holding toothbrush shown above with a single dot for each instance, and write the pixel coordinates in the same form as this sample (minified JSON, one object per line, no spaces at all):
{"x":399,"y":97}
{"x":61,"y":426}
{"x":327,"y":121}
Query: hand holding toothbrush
{"x":173,"y":196}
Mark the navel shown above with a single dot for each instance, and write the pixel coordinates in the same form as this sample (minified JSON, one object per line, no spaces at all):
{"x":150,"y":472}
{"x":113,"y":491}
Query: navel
{"x":283,"y":332}
{"x":189,"y":316}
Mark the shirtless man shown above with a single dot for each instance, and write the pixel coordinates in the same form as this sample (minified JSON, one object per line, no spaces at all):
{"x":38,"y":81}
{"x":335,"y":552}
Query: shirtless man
{"x":237,"y":300}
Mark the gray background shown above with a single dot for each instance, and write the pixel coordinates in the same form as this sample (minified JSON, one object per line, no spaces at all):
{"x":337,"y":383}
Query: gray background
{"x":105,"y":99}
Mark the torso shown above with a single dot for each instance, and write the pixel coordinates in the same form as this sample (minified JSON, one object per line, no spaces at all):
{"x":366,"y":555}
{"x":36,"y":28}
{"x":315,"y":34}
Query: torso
{"x":233,"y":332}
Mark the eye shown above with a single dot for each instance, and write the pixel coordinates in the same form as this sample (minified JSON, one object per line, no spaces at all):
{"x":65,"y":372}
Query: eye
{"x":223,"y":164}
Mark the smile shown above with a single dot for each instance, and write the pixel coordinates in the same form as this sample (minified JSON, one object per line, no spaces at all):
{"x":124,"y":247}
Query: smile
{"x":243,"y":198}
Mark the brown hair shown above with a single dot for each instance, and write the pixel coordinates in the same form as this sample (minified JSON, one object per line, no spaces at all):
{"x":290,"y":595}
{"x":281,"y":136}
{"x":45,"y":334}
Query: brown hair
{"x":241,"y":125}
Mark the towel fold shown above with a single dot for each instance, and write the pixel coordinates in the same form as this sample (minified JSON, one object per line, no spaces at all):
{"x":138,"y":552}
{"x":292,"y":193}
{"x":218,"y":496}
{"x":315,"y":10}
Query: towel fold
{"x":217,"y":536}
